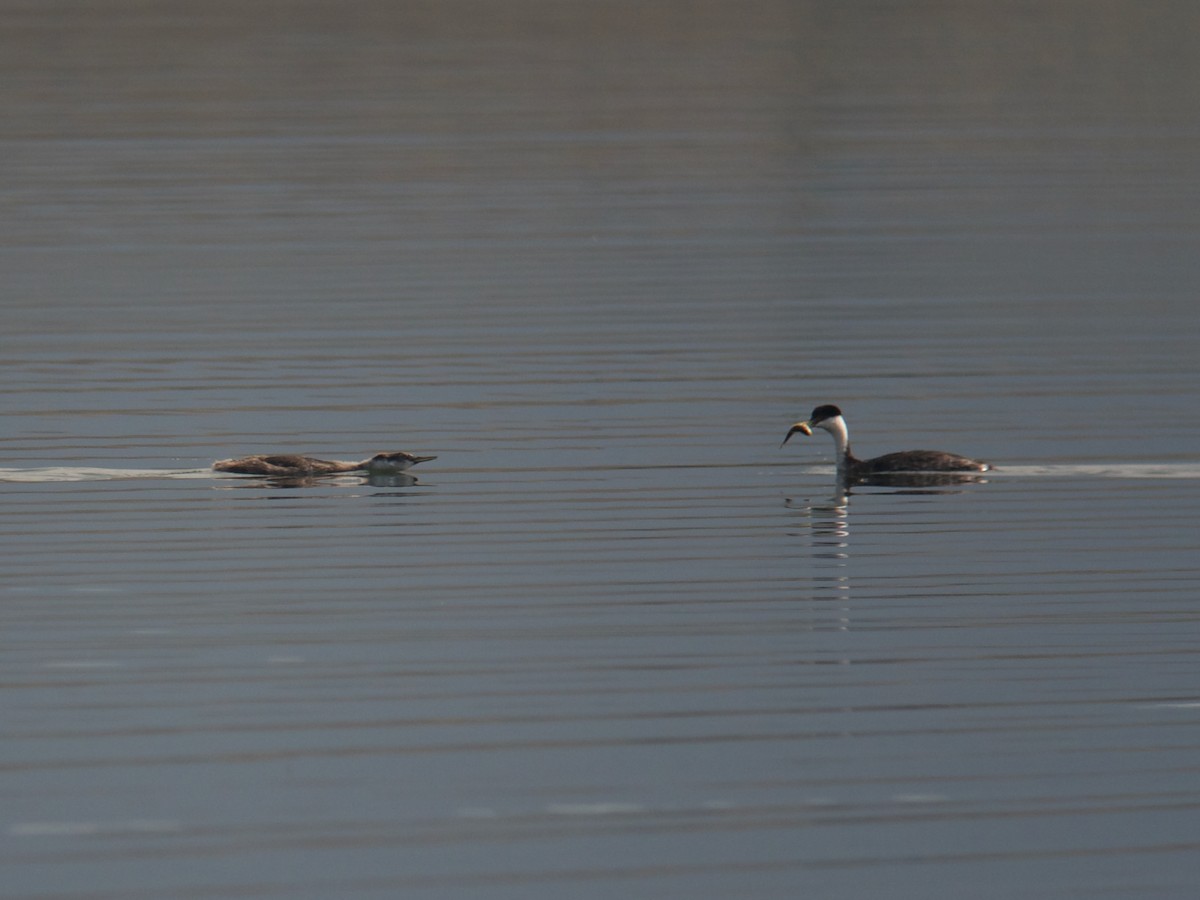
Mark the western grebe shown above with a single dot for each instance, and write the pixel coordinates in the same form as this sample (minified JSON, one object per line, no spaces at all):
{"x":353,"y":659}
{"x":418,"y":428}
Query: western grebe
{"x":829,"y":418}
{"x":292,"y":465}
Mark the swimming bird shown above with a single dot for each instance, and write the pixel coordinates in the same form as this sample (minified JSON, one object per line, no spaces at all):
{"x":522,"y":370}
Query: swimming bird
{"x":307,"y":466}
{"x":829,"y":418}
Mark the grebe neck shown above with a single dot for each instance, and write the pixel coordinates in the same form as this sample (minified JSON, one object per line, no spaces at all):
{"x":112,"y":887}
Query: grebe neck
{"x":836,"y":426}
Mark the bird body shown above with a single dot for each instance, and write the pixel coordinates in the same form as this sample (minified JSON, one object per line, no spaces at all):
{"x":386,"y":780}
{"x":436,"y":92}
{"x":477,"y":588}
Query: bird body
{"x":829,"y":418}
{"x":307,"y":466}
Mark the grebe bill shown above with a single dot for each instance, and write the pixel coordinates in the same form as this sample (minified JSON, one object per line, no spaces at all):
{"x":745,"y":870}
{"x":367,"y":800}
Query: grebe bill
{"x":291,"y":464}
{"x":829,"y":418}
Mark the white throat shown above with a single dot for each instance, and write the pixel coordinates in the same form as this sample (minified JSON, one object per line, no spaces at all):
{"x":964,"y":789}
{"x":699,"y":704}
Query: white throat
{"x":841,"y":437}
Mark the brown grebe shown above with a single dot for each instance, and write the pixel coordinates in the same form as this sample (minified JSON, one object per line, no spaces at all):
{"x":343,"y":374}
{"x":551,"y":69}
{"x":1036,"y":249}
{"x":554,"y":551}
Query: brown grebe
{"x":829,"y":418}
{"x":291,"y":465}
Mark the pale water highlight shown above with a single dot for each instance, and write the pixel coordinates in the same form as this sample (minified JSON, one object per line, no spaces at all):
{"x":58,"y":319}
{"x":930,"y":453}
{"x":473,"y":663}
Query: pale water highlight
{"x":597,"y":258}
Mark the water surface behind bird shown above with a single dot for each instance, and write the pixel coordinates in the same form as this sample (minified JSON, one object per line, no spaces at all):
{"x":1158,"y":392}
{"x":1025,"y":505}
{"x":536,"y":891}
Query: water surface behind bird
{"x":614,"y":639}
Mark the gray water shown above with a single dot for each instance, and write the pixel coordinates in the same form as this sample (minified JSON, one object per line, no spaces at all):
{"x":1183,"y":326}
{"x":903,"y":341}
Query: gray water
{"x":614,"y":641}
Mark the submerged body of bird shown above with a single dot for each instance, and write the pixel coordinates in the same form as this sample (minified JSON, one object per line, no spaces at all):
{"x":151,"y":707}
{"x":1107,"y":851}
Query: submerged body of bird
{"x":290,"y":465}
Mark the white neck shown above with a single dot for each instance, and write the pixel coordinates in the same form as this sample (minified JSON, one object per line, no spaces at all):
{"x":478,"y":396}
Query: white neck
{"x":841,"y":437}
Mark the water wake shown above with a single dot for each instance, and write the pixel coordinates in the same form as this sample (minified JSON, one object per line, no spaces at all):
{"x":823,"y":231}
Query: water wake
{"x":89,"y":473}
{"x":1101,"y":470}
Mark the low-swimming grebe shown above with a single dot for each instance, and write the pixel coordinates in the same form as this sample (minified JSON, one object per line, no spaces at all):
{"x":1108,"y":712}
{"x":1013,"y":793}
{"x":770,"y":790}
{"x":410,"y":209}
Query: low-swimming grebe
{"x":829,"y":418}
{"x":288,"y":464}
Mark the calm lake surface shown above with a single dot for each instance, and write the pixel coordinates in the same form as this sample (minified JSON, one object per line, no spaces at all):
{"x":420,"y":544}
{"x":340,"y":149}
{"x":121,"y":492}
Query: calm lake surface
{"x":614,"y":641}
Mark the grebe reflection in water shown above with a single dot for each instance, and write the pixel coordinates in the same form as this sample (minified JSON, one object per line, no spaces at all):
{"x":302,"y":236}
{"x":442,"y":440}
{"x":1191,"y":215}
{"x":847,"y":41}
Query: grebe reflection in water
{"x":908,"y":467}
{"x":290,"y":465}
